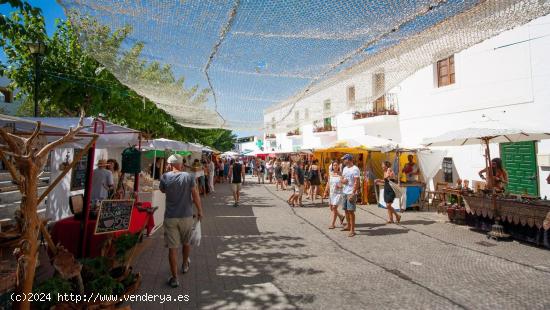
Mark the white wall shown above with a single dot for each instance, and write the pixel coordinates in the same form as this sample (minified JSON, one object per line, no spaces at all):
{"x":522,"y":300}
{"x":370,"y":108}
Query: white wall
{"x":498,"y":79}
{"x":504,"y":78}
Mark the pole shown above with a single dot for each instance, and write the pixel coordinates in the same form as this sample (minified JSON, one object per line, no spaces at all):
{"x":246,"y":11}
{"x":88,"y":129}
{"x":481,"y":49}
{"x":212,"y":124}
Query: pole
{"x":36,"y":82}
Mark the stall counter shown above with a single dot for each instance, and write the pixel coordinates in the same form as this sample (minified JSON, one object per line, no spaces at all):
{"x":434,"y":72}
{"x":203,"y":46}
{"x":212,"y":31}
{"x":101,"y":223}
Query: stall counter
{"x":411,"y":191}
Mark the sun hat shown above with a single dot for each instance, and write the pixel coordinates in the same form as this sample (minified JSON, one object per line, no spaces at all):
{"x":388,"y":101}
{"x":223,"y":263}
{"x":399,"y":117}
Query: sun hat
{"x":175,"y":159}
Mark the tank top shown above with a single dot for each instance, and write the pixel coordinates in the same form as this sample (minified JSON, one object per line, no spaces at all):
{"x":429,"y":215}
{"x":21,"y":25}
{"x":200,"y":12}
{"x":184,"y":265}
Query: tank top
{"x":237,"y":168}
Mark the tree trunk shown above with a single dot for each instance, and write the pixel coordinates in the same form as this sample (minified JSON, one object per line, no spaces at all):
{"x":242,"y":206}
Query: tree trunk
{"x":30,"y":231}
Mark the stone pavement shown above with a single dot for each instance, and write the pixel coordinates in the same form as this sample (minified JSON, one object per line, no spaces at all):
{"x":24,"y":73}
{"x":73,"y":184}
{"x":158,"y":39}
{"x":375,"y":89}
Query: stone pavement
{"x":266,"y":255}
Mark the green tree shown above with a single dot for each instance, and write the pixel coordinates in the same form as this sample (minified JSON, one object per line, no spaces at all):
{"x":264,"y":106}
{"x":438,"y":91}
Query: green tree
{"x":71,"y":79}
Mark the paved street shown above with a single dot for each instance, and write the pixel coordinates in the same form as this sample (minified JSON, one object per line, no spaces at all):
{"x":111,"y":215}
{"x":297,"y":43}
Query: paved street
{"x":267,"y":255}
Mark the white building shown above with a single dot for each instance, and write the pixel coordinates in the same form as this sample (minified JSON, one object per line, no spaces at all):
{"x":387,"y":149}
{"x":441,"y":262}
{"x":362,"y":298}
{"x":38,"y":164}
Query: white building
{"x":505,"y":78}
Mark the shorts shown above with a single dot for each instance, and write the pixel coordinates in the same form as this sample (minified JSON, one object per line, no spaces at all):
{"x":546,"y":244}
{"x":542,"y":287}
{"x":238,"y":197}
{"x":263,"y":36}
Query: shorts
{"x":299,"y":189}
{"x":177,"y":231}
{"x":236,"y":187}
{"x":346,"y":204}
{"x":285,"y":177}
{"x":202,"y":181}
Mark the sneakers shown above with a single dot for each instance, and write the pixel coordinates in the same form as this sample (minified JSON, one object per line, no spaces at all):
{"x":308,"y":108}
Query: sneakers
{"x":185,"y":267}
{"x":235,"y":205}
{"x":173,"y":282}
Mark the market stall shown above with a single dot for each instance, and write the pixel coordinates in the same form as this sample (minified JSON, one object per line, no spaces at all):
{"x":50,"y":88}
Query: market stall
{"x":493,"y":202}
{"x":70,"y":203}
{"x":360,"y":155}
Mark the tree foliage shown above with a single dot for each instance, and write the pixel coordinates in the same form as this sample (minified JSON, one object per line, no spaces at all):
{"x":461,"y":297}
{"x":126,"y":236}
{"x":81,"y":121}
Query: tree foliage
{"x":70,"y":78}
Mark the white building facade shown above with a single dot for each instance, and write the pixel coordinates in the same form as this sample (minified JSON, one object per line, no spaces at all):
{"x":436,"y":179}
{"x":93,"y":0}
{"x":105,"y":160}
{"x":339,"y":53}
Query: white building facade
{"x":505,"y":78}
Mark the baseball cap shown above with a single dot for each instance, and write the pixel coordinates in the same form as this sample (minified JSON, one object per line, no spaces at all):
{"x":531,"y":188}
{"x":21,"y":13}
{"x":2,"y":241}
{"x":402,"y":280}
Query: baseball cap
{"x":347,"y":157}
{"x":175,"y":159}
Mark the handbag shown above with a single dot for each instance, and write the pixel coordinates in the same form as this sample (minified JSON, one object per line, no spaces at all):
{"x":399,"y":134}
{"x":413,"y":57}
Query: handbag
{"x":396,"y":189}
{"x":196,"y":234}
{"x":398,"y":194}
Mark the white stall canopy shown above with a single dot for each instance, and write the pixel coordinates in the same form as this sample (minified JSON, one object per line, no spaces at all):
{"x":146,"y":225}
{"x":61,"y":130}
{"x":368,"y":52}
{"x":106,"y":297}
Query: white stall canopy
{"x":110,"y":135}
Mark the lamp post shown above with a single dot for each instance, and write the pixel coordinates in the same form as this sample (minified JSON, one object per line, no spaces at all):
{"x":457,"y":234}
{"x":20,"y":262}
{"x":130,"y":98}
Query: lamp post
{"x":37,"y":49}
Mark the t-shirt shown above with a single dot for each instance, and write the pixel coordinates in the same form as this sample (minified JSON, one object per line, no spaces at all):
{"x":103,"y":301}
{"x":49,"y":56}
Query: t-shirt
{"x":285,"y":167}
{"x":177,"y":186}
{"x":350,"y":173}
{"x":237,"y":170}
{"x":411,"y":171}
{"x":101,"y":181}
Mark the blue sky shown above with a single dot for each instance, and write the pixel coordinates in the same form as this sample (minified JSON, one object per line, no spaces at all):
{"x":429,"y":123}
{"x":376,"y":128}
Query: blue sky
{"x":50,"y":9}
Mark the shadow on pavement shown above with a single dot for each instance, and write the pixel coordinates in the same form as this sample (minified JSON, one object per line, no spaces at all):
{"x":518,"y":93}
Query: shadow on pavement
{"x":383,"y":231}
{"x":235,"y":266}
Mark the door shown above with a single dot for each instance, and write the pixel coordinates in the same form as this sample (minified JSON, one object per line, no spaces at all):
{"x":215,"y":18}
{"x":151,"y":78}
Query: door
{"x":520,"y":161}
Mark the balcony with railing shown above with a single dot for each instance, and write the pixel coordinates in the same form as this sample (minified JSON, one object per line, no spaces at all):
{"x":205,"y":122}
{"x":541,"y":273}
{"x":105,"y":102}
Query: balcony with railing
{"x":294,"y":133}
{"x":385,"y":105}
{"x":270,"y":136}
{"x":324,"y":127}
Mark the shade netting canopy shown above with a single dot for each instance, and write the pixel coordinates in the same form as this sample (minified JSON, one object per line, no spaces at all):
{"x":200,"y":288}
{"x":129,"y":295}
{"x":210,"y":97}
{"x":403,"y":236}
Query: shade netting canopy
{"x":267,"y":55}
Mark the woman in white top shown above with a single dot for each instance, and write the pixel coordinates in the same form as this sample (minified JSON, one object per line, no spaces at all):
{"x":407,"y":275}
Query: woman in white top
{"x":334,"y":189}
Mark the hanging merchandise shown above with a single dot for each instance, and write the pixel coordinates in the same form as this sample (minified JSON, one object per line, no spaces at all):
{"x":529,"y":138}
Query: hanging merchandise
{"x":131,"y":160}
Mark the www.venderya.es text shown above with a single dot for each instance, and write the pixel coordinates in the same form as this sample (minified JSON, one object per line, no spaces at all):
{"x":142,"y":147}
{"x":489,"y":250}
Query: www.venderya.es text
{"x":94,"y":297}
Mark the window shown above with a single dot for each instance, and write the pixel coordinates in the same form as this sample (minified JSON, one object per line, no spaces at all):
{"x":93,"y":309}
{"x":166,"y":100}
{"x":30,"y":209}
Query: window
{"x":446,"y":71}
{"x":273,"y":123}
{"x":8,"y":95}
{"x":351,"y":96}
{"x":327,"y":120}
{"x":447,"y":168}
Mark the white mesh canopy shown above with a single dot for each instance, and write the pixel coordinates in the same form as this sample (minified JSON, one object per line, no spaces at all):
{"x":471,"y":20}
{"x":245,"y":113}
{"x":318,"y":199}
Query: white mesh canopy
{"x":258,"y":55}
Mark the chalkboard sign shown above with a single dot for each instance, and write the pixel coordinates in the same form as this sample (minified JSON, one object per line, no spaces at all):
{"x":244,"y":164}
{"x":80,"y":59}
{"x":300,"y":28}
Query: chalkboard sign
{"x":78,"y":175}
{"x":114,"y":215}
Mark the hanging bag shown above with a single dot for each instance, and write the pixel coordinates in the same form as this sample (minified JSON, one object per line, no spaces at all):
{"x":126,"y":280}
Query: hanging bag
{"x":196,"y":233}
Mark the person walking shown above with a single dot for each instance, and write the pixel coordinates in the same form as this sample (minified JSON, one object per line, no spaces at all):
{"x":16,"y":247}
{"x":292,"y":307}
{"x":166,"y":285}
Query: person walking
{"x":350,"y":180}
{"x":237,"y":174}
{"x":211,"y":174}
{"x":260,"y":171}
{"x":314,"y":180}
{"x":389,"y":193}
{"x":181,"y":194}
{"x":226,"y":164}
{"x":285,"y":166}
{"x":278,"y":169}
{"x":299,"y":180}
{"x":269,"y":167}
{"x":334,"y":192}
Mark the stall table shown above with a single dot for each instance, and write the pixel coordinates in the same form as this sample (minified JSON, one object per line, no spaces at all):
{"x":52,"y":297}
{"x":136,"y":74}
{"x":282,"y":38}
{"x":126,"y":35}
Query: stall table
{"x":411,"y":193}
{"x":67,"y":232}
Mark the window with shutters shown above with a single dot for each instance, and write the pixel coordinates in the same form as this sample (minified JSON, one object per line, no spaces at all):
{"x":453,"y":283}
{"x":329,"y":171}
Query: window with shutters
{"x":446,"y":71}
{"x":351,"y":96}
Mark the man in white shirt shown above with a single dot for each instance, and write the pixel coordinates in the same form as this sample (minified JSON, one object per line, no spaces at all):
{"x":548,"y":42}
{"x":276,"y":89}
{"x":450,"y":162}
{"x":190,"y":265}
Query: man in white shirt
{"x":102,"y":182}
{"x":350,"y":179}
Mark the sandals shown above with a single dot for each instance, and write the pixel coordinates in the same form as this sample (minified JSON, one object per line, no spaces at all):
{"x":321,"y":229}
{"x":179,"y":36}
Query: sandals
{"x":331,"y":227}
{"x":390,"y":222}
{"x":351,"y":234}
